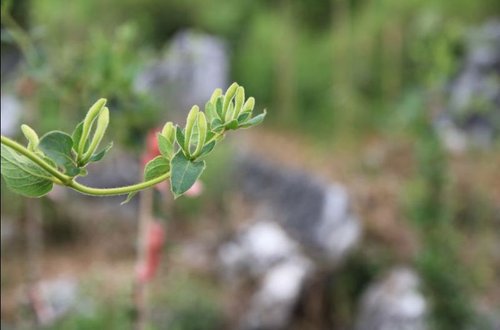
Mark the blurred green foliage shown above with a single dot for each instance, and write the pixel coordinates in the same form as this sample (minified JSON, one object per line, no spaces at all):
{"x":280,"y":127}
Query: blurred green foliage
{"x":446,"y":281}
{"x":332,"y":66}
{"x":327,"y":68}
{"x":191,"y":303}
{"x":109,"y":316}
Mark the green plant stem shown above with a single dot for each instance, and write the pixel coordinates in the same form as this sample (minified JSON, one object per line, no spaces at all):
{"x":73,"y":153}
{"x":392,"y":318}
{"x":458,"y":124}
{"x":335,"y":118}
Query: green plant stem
{"x":62,"y":179}
{"x":32,"y":156}
{"x":119,"y":190}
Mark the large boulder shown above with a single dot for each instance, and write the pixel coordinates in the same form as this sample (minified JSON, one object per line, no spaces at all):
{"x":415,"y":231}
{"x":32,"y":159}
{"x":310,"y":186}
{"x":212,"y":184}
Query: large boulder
{"x":472,"y":116}
{"x":193,"y":66}
{"x":301,"y":225}
{"x":315,"y":213}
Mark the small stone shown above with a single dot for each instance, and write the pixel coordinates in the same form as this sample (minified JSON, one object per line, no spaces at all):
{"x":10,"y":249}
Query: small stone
{"x":256,"y":250}
{"x":316,"y":214}
{"x":394,"y":303}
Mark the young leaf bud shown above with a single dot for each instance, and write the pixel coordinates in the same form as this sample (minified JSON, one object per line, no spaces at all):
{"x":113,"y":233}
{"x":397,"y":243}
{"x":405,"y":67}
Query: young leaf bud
{"x":202,"y":133}
{"x":215,"y":95}
{"x":87,"y":123}
{"x":238,"y":101}
{"x":249,"y":104}
{"x":31,"y":136}
{"x":229,"y":113}
{"x":102,"y":125}
{"x":191,"y":120}
{"x":210,"y":112}
{"x":168,"y":132}
{"x":229,"y":96}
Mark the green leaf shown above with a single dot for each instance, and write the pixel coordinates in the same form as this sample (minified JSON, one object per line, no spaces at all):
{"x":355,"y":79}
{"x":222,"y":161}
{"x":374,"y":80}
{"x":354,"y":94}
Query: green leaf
{"x":166,"y":147}
{"x":179,"y":135}
{"x":244,"y":116}
{"x":77,"y":135}
{"x":210,"y":111}
{"x":129,"y":197}
{"x":184,"y":173}
{"x":31,"y":136}
{"x":46,"y":159}
{"x":233,"y":124}
{"x":216,"y":124}
{"x":254,"y":121}
{"x":99,"y":155}
{"x":22,"y":175}
{"x":229,"y":113}
{"x":207,"y":149}
{"x":228,"y":97}
{"x":210,"y":136}
{"x":57,"y":146}
{"x":156,"y":167}
{"x":219,"y":107}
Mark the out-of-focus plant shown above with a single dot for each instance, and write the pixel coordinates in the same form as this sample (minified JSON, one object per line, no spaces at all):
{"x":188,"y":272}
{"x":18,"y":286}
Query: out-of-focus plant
{"x":445,"y":279}
{"x":60,"y":73}
{"x":59,"y":158}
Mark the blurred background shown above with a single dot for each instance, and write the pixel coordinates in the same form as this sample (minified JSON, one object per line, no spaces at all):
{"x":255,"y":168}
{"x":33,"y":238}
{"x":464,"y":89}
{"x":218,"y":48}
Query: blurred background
{"x":368,"y":199}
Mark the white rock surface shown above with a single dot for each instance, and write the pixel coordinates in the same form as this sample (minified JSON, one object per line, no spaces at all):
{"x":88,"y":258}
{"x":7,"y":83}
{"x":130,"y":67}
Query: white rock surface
{"x":265,"y":252}
{"x":394,"y":303}
{"x":339,"y":229}
{"x":256,"y":250}
{"x":273,"y":303}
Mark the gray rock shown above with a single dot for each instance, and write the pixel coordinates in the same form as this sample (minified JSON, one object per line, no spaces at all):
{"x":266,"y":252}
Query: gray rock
{"x":11,"y":59}
{"x":473,"y":108}
{"x":272,"y":305}
{"x":193,"y":66}
{"x":256,"y":249}
{"x":318,"y":215}
{"x":393,"y":303}
{"x":308,"y":223}
{"x":265,"y":251}
{"x":11,"y":112}
{"x":56,"y":298}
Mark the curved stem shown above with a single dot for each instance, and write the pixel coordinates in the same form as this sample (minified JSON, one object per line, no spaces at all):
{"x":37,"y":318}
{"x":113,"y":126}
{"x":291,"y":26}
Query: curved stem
{"x":65,"y":180}
{"x":32,"y":156}
{"x":119,"y":190}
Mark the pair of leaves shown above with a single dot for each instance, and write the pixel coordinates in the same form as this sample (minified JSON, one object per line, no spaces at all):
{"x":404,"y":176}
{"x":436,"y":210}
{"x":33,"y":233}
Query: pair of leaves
{"x":214,"y":111}
{"x":153,"y":169}
{"x":27,"y":178}
{"x":77,"y":135}
{"x":207,"y":148}
{"x":218,"y":122}
{"x":184,"y":172}
{"x":246,"y":122}
{"x":22,"y":175}
{"x":57,"y":146}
